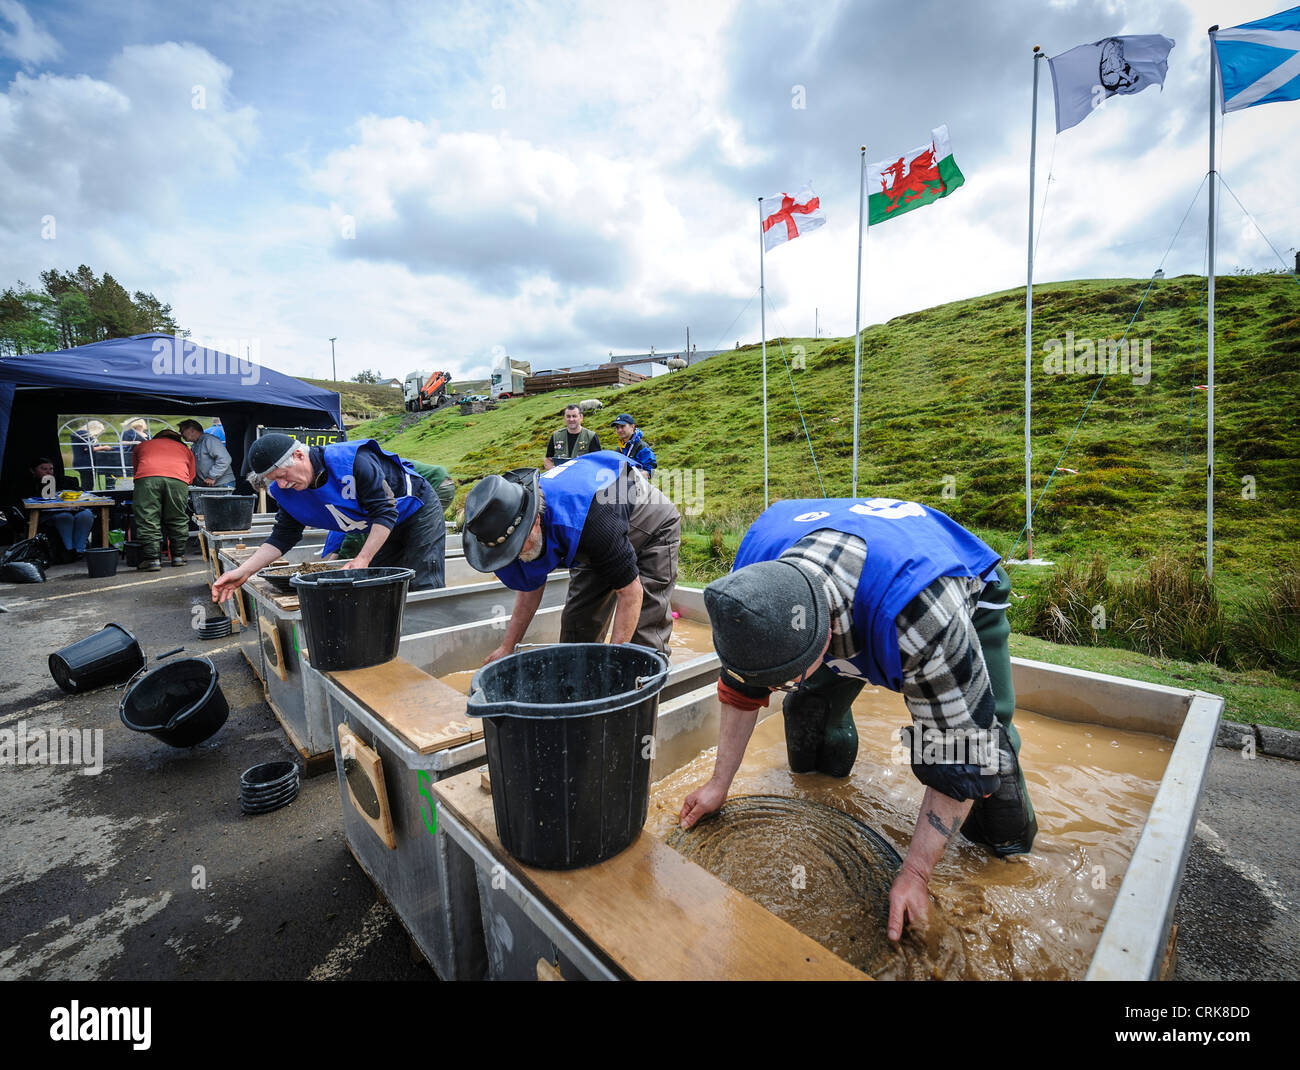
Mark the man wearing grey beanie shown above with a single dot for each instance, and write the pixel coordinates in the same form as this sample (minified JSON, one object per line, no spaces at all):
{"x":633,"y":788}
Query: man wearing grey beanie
{"x":829,"y":595}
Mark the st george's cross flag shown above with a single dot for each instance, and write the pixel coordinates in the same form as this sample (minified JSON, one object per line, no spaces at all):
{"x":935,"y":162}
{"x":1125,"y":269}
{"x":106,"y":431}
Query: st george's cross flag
{"x":786,"y":218}
{"x":912,"y":180}
{"x":1259,"y":62}
{"x":1085,"y":77}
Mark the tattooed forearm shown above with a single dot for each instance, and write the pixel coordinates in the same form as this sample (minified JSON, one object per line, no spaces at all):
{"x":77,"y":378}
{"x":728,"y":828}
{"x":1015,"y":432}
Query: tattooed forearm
{"x":936,"y":823}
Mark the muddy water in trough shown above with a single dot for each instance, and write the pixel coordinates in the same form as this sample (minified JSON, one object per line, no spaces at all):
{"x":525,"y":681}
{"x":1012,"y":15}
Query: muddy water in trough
{"x":690,"y":639}
{"x":1033,"y":916}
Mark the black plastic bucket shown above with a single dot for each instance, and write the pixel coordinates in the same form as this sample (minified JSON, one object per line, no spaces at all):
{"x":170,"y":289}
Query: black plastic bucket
{"x":268,"y":787}
{"x":352,"y":617}
{"x":180,"y":703}
{"x":569,"y":731}
{"x":131,"y":553}
{"x":102,"y":562}
{"x":107,"y":657}
{"x":228,"y":512}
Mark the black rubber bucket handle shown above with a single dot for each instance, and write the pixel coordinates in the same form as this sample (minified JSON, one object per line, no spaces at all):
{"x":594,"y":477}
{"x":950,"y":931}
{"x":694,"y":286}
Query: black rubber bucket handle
{"x":370,"y":581}
{"x":477,"y":696}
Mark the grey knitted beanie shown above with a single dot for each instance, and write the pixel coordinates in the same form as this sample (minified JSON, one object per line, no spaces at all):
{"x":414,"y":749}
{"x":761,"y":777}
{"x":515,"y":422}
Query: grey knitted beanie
{"x":770,"y":622}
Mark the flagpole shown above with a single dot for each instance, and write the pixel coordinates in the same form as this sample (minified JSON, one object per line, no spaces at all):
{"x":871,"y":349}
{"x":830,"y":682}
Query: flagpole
{"x":762,"y":315}
{"x":1029,"y":321}
{"x":1209,"y":329}
{"x":857,"y":316}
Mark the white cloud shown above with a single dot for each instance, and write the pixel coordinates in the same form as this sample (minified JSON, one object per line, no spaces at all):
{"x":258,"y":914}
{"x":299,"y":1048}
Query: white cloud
{"x":89,"y":151}
{"x":24,"y":40}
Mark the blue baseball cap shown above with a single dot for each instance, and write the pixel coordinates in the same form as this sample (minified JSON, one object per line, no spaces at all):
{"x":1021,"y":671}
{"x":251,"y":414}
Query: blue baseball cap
{"x":623,"y":418}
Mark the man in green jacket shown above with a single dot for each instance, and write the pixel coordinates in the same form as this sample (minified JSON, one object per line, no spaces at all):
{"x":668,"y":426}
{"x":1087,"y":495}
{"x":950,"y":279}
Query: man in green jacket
{"x":572,"y":440}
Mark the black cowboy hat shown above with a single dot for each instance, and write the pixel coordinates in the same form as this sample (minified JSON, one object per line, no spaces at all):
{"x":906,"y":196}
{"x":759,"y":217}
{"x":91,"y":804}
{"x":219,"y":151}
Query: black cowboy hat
{"x":499,"y":514}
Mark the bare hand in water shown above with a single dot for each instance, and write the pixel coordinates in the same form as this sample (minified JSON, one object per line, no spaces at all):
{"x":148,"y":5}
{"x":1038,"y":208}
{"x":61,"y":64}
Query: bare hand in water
{"x":702,"y":802}
{"x":909,"y":898}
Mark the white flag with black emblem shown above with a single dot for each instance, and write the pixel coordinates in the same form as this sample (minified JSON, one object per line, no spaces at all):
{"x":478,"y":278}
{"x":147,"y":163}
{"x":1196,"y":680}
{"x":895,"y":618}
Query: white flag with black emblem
{"x":1084,"y":78}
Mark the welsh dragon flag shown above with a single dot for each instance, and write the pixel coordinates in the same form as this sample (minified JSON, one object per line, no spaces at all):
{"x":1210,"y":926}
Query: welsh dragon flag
{"x":912,"y":180}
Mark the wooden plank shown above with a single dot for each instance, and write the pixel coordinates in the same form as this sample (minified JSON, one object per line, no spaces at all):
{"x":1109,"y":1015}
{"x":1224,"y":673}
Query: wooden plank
{"x":271,"y":646}
{"x":365,"y":778}
{"x":428,"y":714}
{"x":654,"y":914}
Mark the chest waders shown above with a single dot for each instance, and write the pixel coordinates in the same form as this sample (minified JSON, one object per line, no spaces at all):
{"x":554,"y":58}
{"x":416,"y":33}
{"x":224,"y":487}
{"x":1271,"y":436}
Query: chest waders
{"x":820,"y":736}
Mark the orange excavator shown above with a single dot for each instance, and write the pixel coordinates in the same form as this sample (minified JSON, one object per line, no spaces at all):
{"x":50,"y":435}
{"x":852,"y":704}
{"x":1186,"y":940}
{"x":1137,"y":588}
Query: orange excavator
{"x":430,"y":393}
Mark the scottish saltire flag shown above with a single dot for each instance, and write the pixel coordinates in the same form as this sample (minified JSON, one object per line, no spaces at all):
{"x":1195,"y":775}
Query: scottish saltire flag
{"x":1087,"y":76}
{"x":1259,"y":62}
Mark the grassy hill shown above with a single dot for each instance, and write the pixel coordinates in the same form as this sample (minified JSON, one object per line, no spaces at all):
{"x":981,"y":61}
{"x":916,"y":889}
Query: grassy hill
{"x":942,"y":422}
{"x":362,"y":401}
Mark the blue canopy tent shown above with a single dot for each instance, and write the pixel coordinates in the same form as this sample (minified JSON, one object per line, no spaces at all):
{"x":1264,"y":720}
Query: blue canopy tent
{"x":158,"y":374}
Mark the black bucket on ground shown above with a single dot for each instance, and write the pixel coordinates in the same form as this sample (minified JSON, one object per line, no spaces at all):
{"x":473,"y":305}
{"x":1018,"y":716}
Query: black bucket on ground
{"x":107,"y":657}
{"x":269,"y":786}
{"x":569,"y":731}
{"x":180,"y":703}
{"x":131,"y":553}
{"x":352,"y":617}
{"x":227,"y":512}
{"x":102,"y":562}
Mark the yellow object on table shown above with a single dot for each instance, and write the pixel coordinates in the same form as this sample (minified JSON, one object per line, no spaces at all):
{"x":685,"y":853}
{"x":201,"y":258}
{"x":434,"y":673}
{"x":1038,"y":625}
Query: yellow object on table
{"x":70,"y":495}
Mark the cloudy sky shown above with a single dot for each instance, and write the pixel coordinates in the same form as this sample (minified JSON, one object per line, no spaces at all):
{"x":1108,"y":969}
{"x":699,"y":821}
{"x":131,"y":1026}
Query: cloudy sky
{"x":428,"y":181}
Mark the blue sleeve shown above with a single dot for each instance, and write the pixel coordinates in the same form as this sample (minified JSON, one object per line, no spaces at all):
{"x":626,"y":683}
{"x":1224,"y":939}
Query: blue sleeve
{"x":646,"y":458}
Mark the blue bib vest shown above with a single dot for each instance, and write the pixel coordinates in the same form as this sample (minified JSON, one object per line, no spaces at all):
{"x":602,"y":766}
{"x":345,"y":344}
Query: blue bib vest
{"x":569,"y":488}
{"x":334,"y":505}
{"x":909,"y":546}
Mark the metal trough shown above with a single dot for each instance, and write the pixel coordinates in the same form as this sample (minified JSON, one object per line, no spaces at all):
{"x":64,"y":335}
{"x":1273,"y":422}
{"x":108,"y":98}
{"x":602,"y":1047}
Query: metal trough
{"x":427,"y":879}
{"x":522,"y":927}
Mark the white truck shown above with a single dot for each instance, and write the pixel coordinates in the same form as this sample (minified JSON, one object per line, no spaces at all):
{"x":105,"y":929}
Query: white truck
{"x":508,"y":378}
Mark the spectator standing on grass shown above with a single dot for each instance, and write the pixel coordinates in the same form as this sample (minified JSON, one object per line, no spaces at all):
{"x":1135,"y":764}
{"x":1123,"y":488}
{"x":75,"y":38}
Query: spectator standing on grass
{"x":632,"y":444}
{"x":572,"y":440}
{"x":211,"y":459}
{"x":164,"y":470}
{"x":85,"y":444}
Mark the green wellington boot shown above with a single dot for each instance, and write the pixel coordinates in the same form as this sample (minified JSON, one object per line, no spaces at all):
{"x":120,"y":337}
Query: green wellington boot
{"x":1004,"y":822}
{"x":820,"y":736}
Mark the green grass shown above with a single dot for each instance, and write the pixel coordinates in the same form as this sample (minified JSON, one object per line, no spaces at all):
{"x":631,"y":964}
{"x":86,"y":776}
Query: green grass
{"x":1257,"y":697}
{"x":362,"y":401}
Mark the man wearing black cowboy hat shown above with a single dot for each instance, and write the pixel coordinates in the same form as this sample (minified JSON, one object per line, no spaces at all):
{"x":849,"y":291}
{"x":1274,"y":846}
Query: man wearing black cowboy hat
{"x":596,"y":516}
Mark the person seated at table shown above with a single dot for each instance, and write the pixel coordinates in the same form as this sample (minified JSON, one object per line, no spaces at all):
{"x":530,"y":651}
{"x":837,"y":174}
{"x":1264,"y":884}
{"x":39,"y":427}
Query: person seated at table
{"x":71,"y":525}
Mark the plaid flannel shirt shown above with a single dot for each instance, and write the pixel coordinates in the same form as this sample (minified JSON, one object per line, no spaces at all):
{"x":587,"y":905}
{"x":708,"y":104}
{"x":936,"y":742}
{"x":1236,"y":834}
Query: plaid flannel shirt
{"x":945,"y":681}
